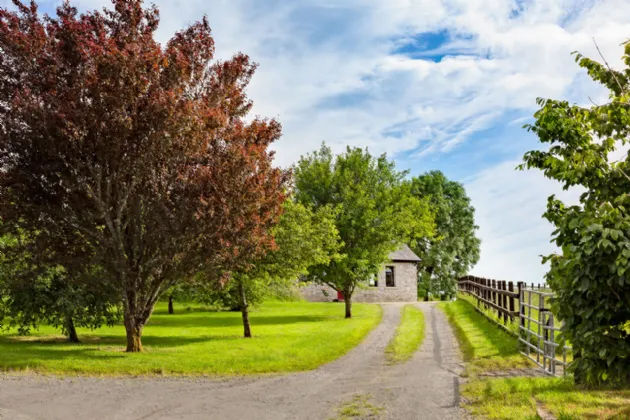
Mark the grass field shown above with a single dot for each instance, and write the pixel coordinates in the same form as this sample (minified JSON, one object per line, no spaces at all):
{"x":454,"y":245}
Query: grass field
{"x":287,"y":337}
{"x":485,"y":347}
{"x":409,"y":335}
{"x":519,"y":399}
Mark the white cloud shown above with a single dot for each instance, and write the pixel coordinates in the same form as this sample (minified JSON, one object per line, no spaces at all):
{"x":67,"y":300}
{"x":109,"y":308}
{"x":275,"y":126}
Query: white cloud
{"x":311,"y":50}
{"x":509,"y":206}
{"x":326,"y":71}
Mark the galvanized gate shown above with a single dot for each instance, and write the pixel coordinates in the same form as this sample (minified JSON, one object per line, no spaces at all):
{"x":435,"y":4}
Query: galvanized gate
{"x":540,"y":339}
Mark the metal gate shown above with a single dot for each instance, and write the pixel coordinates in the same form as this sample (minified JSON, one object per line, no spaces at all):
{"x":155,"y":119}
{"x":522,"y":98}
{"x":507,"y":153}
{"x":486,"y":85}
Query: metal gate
{"x":539,"y":339}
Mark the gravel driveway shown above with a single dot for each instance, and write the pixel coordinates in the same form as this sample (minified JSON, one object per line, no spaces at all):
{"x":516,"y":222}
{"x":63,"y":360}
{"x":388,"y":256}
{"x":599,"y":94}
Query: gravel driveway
{"x":426,"y":387}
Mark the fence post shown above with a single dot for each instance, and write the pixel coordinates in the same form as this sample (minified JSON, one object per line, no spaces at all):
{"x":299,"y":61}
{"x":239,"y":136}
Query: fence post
{"x":541,"y":330}
{"x":552,"y":340}
{"x":505,"y":303}
{"x":511,"y":290}
{"x":477,"y":291}
{"x":485,"y":293}
{"x":493,"y":295}
{"x":500,"y":299}
{"x":521,"y":300}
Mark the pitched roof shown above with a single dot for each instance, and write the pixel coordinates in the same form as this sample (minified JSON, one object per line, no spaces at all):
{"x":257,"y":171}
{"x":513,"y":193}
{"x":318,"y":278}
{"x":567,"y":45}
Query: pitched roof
{"x":404,"y":254}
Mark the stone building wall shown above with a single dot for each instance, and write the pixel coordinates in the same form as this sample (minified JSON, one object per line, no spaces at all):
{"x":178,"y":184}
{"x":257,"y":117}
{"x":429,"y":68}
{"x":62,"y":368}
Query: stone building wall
{"x":405,"y":290}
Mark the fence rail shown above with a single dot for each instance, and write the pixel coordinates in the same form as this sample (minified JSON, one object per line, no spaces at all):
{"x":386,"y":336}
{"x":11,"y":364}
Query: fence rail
{"x":493,"y":294}
{"x":537,"y":325}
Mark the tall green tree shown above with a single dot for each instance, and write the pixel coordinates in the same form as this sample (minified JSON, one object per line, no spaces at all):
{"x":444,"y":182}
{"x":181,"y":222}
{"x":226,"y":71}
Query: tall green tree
{"x":303,"y":238}
{"x":590,"y":273}
{"x":32,"y":293}
{"x":376,"y":213}
{"x":455,"y":247}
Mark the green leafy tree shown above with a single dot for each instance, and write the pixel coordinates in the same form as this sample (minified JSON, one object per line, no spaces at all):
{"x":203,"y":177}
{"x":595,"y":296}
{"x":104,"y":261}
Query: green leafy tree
{"x":182,"y":291}
{"x":303,"y":238}
{"x":455,"y":248}
{"x":590,"y":273}
{"x":376,"y":213}
{"x":32,"y":293}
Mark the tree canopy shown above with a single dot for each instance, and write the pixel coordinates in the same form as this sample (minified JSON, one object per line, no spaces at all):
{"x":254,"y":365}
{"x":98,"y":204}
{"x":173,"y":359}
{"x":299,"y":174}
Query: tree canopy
{"x":455,"y":247}
{"x":590,"y":272}
{"x":375,"y":213}
{"x":133,"y":157}
{"x":303,"y":238}
{"x":32,"y":293}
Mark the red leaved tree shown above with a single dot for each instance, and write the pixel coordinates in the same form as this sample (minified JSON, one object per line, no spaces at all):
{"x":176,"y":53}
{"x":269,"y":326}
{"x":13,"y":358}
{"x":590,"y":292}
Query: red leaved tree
{"x":119,"y":152}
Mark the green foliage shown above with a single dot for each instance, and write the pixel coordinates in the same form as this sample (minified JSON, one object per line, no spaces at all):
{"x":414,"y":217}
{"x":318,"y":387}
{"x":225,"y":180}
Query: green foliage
{"x":590,"y":274}
{"x":455,"y":247}
{"x":302,"y":238}
{"x":375,"y":212}
{"x":32,"y":293}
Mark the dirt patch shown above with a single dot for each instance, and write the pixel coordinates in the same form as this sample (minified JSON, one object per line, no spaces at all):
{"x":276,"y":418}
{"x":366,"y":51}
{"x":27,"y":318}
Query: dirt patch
{"x":359,"y":408}
{"x":426,"y":387}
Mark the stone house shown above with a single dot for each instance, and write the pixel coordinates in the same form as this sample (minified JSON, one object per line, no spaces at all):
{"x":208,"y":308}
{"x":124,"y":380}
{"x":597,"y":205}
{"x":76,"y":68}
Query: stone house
{"x":396,"y":282}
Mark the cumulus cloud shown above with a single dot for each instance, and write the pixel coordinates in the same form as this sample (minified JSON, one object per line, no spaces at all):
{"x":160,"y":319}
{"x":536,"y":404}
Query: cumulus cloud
{"x":417,"y":79}
{"x":509,"y":207}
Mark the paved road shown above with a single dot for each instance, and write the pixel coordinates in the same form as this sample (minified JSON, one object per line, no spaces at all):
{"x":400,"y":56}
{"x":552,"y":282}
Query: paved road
{"x":425,"y":388}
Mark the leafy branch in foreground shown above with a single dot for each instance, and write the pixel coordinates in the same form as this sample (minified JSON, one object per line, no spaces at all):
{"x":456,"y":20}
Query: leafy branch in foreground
{"x":590,"y":274}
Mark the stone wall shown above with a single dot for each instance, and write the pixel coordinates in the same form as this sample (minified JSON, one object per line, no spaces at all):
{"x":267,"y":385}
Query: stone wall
{"x":406,"y":289}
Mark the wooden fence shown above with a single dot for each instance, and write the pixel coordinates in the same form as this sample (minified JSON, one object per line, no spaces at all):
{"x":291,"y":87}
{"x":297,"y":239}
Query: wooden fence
{"x":499,"y":295}
{"x":527,"y":306}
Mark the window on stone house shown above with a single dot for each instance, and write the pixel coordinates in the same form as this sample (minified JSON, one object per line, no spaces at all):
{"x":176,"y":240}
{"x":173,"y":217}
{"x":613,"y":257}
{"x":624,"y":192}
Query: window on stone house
{"x":390,"y":280}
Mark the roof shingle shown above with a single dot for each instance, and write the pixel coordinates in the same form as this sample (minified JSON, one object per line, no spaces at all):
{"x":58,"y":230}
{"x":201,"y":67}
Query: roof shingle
{"x":404,"y":254}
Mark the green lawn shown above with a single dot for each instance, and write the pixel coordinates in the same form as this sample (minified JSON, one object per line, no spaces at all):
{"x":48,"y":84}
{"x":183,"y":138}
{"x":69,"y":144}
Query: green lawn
{"x":409,"y":335}
{"x":287,"y":337}
{"x":485,"y":346}
{"x":518,"y":399}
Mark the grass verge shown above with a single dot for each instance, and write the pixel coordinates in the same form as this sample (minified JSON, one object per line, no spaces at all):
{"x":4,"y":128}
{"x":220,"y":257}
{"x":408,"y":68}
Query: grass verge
{"x":287,"y":337}
{"x":409,"y":335}
{"x":484,"y":345}
{"x":519,"y":398}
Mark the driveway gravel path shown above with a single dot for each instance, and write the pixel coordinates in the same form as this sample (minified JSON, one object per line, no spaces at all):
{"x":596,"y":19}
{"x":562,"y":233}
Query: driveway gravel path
{"x":425,"y":388}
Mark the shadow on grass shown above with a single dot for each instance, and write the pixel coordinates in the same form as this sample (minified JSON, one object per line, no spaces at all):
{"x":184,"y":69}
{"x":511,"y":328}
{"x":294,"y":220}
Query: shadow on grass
{"x":228,"y":319}
{"x":19,"y":355}
{"x":93,"y":343}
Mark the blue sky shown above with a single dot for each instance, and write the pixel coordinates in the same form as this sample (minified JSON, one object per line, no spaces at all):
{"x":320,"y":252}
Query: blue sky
{"x":437,"y":84}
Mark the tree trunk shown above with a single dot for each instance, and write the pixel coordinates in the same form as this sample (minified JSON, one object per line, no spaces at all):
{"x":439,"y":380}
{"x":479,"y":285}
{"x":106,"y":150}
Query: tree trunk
{"x":578,"y":374}
{"x":134,"y":335}
{"x":347,"y":297}
{"x":71,"y":331}
{"x":170,"y":305}
{"x":428,"y":283}
{"x":138,"y":307}
{"x":247,"y":331}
